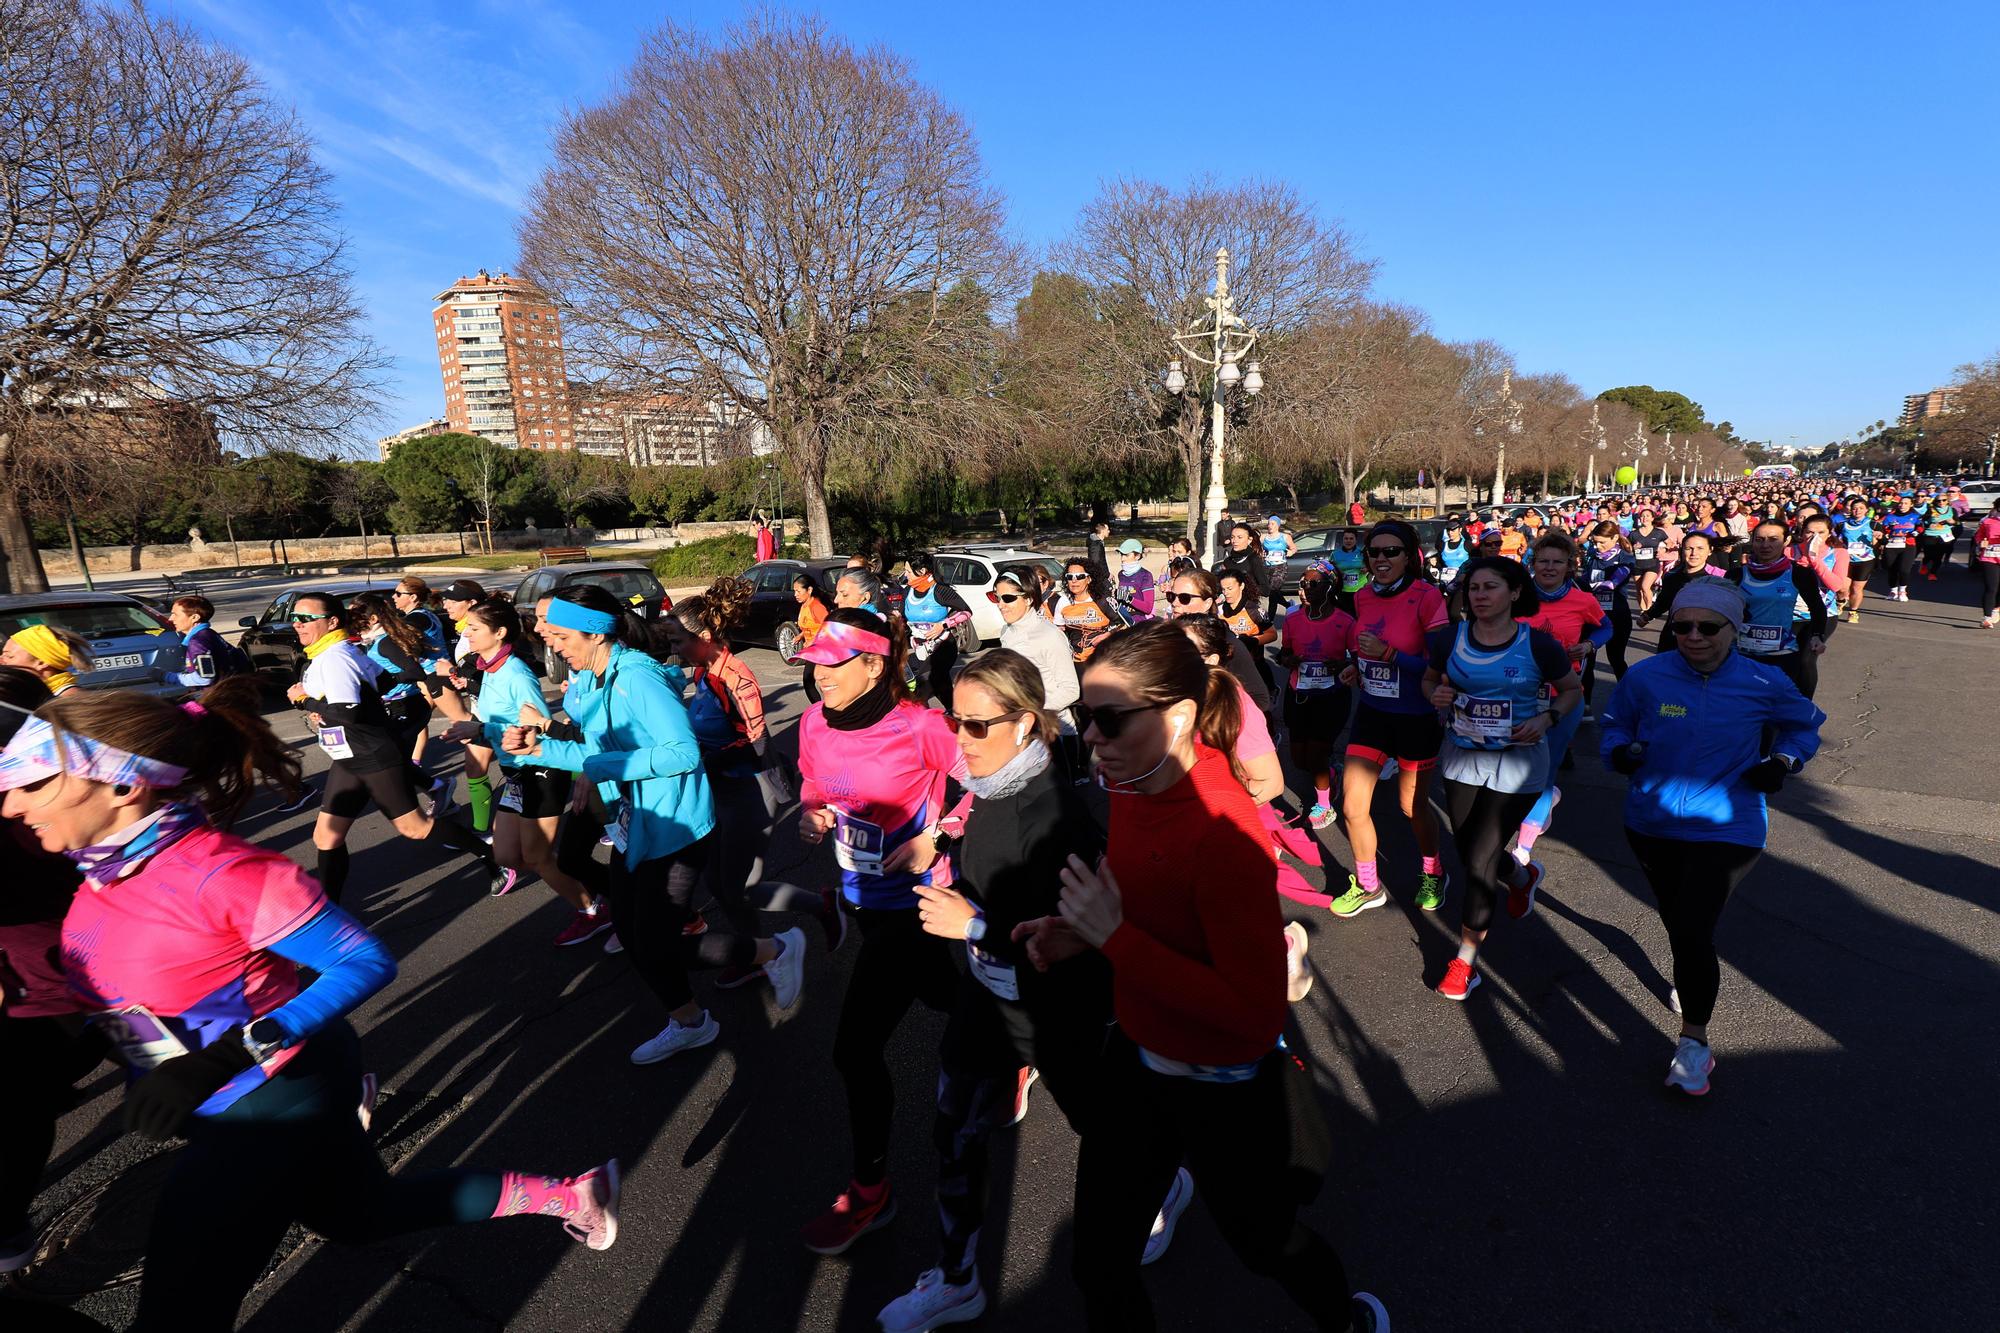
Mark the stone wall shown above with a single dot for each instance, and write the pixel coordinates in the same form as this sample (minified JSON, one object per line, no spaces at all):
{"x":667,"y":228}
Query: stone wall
{"x":220,"y":554}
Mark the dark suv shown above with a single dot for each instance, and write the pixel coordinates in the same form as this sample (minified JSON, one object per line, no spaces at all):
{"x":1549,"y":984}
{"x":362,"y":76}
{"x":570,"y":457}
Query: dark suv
{"x":632,"y":583}
{"x":269,"y":640}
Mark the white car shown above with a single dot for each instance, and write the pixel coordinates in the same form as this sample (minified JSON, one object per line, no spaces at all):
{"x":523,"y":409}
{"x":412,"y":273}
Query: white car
{"x":971,"y":572}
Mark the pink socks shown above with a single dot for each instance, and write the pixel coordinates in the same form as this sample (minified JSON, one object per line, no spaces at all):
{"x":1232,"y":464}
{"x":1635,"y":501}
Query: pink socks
{"x":1365,"y":876}
{"x":544,"y":1196}
{"x":1525,"y":838}
{"x":1433,"y":866}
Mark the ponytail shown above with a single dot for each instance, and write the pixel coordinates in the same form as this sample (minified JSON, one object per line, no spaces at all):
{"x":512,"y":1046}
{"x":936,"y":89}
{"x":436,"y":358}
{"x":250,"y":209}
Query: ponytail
{"x":1220,"y":721}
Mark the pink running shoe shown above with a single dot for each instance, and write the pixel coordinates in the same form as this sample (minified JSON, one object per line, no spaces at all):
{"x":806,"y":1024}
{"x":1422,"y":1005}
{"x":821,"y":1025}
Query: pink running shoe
{"x":583,"y":926}
{"x":596,"y":1220}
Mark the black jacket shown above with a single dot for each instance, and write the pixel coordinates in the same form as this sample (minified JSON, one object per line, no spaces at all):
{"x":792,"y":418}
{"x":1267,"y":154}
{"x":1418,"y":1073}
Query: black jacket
{"x":1011,"y":859}
{"x":1248,"y":566}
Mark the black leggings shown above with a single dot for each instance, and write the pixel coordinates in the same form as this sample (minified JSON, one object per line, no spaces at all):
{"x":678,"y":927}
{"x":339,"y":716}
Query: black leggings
{"x":1936,"y":552}
{"x":934,"y":672}
{"x":1257,"y":1151}
{"x":292,"y":1151}
{"x":1896,"y":563}
{"x":43,"y":1057}
{"x":576,"y":851}
{"x":1691,"y":881}
{"x":1989,"y":586}
{"x":744,"y":815}
{"x":898,"y":964}
{"x":1481,"y":822}
{"x":651,"y":902}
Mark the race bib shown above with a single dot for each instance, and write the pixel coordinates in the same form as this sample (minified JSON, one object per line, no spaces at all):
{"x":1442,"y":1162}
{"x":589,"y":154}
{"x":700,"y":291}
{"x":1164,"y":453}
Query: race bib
{"x":1483,"y":719}
{"x":1989,"y":550}
{"x":1763,"y":640}
{"x":1604,"y":598}
{"x":990,"y":972}
{"x":1315,"y":676}
{"x":857,"y":844}
{"x":510,"y":795}
{"x":1897,"y":543}
{"x":1860,"y":551}
{"x":143,"y":1041}
{"x":621,"y":828}
{"x":1378,"y":680}
{"x":334,"y":741}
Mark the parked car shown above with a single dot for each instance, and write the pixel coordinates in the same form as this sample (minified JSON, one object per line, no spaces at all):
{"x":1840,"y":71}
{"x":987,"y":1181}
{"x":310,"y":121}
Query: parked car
{"x":627,"y":581}
{"x":972,"y":570}
{"x":269,"y":640}
{"x":1318,"y":543}
{"x":132,"y":647}
{"x":771,"y":602}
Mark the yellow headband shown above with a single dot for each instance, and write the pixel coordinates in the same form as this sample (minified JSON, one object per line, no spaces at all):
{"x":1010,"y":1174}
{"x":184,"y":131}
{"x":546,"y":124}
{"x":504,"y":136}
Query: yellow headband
{"x":40,"y":642}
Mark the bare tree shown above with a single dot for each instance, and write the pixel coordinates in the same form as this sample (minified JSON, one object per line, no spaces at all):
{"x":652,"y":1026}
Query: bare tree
{"x":1149,"y":253}
{"x":164,"y":230}
{"x":576,"y":481}
{"x":776,"y":220}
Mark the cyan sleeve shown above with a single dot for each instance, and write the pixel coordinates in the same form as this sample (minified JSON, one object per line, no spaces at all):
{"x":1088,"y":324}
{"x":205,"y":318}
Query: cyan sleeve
{"x":352,"y":965}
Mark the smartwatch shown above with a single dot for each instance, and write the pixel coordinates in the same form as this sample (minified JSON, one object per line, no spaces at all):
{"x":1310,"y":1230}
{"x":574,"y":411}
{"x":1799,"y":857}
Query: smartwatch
{"x":264,"y":1038}
{"x":975,"y":930}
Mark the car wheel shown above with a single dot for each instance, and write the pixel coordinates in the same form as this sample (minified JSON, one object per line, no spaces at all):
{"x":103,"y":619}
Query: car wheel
{"x":968,"y":638}
{"x":786,"y":641}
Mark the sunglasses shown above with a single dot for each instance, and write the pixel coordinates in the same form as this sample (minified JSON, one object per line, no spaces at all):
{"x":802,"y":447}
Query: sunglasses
{"x":1708,"y":629}
{"x":977,"y":727}
{"x":1076,"y":578}
{"x":1109,"y":721}
{"x":1388,"y":552}
{"x":1006,"y":598}
{"x":1185,"y":599}
{"x":299,"y":618}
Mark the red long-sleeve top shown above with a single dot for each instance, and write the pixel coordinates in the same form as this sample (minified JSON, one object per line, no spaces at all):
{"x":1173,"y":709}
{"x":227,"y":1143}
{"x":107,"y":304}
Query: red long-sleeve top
{"x":1198,"y":964}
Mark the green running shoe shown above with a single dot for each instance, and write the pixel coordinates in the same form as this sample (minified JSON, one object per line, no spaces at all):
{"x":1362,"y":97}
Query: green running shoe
{"x":1430,"y":891}
{"x":1357,"y":900}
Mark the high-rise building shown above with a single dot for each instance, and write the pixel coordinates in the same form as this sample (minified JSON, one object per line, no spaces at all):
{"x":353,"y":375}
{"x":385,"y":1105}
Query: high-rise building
{"x":649,"y":430}
{"x":500,"y":350}
{"x":1917,"y":406}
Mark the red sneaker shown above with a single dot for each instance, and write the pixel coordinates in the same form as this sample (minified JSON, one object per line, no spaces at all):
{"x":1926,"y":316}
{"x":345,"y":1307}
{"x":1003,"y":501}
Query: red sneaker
{"x":1460,"y":980}
{"x":852,"y":1216}
{"x":1023,"y":1081}
{"x":583,"y":926}
{"x":1521,"y":899}
{"x":729,"y":978}
{"x":698,"y":926}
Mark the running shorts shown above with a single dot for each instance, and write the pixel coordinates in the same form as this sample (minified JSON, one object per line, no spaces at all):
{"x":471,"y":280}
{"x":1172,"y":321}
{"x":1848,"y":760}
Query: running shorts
{"x":1317,"y":715}
{"x":347,"y":793}
{"x":1860,"y":571}
{"x":533,"y":792}
{"x":1411,"y":739}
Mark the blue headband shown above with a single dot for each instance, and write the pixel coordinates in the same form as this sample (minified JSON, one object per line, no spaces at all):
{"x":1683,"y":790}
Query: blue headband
{"x":577,"y":616}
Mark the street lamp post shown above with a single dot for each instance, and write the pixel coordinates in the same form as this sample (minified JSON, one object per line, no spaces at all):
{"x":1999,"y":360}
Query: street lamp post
{"x":1219,"y":341}
{"x":1510,"y":421}
{"x":1597,"y":444}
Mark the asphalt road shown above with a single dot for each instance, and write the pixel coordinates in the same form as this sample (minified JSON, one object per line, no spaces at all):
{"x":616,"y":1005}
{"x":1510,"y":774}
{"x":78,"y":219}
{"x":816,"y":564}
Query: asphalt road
{"x":1511,"y":1163}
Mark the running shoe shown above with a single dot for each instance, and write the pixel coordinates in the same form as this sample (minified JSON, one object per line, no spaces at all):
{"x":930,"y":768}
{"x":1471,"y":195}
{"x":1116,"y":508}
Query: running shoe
{"x":851,"y":1217}
{"x":1179,"y":1195}
{"x":583,"y":926}
{"x":442,"y":800}
{"x":1693,"y":1063}
{"x":1431,"y":890}
{"x":1023,"y":1080}
{"x":788,"y":970}
{"x":732,"y":978}
{"x":1389,"y":767}
{"x":1589,"y":719}
{"x":502,"y":881}
{"x":833,"y":919}
{"x":673,"y":1039}
{"x":308,"y":796}
{"x":1460,"y":980}
{"x":1854,"y":617}
{"x":1357,"y":900}
{"x":612,"y":944}
{"x":1298,"y":970}
{"x":604,"y":840}
{"x":932,"y":1302}
{"x":1989,"y":622}
{"x":18,"y":1251}
{"x":698,"y":925}
{"x":595,"y":1221}
{"x":484,"y":835}
{"x":1321,"y":816}
{"x":1521,"y":898}
{"x":1369,"y":1316}
{"x":1674,"y":998}
{"x":371,"y":1089}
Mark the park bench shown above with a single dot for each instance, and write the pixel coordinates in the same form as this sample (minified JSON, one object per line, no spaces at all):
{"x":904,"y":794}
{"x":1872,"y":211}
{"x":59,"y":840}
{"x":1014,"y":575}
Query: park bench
{"x":565,"y":555}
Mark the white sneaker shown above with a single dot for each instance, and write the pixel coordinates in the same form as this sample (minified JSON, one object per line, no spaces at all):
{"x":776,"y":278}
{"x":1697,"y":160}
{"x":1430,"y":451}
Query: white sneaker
{"x":1179,"y":1195}
{"x":788,"y":970}
{"x":1674,"y":998}
{"x":612,"y":944}
{"x":674,"y":1039}
{"x":1298,"y":971}
{"x":933,"y":1301}
{"x":1388,"y":772}
{"x":1693,"y":1062}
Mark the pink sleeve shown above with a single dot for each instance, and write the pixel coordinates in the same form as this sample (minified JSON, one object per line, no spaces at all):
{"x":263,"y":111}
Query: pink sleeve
{"x":1254,"y":741}
{"x":810,"y":728}
{"x":260,"y":897}
{"x":1434,"y":614}
{"x":940,"y":746}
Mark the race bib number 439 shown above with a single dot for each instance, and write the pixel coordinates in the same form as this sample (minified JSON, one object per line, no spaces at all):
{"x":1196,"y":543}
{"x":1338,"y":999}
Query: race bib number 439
{"x":1483,"y":719}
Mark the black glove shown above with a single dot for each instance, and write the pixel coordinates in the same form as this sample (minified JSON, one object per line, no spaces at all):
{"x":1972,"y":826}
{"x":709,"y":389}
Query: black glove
{"x":1766,"y":775}
{"x":1627,"y":758}
{"x":159,"y":1104}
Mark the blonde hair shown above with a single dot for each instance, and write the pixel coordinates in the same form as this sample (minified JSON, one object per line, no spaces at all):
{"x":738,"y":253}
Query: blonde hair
{"x":1016,"y":683}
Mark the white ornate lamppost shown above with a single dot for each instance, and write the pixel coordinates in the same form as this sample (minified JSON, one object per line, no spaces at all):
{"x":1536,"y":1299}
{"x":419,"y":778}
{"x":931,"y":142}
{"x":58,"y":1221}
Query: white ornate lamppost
{"x":1220,"y":341}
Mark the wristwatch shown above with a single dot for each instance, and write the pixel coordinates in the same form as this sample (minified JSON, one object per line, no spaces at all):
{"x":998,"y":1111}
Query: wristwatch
{"x":940,"y":840}
{"x":1791,"y":762}
{"x":264,"y":1039}
{"x":975,"y":930}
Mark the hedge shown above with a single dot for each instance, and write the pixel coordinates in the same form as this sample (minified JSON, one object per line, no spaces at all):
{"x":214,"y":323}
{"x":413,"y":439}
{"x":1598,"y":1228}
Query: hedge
{"x":711,"y":557}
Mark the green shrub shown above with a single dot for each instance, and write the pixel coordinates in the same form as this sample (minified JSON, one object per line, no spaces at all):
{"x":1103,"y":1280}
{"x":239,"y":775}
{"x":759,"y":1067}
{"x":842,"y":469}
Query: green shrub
{"x":697,"y":562}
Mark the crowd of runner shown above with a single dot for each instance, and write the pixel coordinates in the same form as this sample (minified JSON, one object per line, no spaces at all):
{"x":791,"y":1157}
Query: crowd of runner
{"x":1077,"y":856}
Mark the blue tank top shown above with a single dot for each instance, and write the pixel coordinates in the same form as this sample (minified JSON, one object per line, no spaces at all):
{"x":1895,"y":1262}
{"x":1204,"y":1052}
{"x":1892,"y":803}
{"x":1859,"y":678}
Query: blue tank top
{"x":1451,"y":557}
{"x":924,"y":608}
{"x":1767,"y":624}
{"x":1498,"y":689}
{"x":1860,"y":535}
{"x":1274,"y":548}
{"x":374,"y":650}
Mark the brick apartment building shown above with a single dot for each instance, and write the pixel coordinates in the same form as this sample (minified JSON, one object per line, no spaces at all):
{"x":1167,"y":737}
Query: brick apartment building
{"x":500,"y":350}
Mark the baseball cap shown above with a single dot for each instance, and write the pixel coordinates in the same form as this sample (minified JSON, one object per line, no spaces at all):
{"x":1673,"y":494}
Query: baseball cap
{"x":1131,"y":546}
{"x":462,"y":590}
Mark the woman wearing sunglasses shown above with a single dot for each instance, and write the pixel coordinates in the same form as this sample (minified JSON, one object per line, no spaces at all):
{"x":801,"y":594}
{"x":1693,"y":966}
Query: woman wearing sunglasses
{"x":635,"y":743}
{"x":1086,"y":612}
{"x":1689,"y":729}
{"x":1184,"y":907}
{"x":1776,"y":591}
{"x":873,"y":765}
{"x":1024,"y":820}
{"x":1395,"y":728}
{"x":369,"y":760}
{"x":1494,"y":674}
{"x":1034,"y":636}
{"x":188,"y":945}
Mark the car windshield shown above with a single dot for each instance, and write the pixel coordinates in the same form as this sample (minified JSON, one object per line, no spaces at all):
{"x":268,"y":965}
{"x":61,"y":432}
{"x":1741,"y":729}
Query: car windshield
{"x":92,"y":620}
{"x":624,"y":584}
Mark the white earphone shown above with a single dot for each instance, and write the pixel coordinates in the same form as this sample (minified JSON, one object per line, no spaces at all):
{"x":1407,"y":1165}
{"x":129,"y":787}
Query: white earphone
{"x":1021,"y":732}
{"x":1180,"y":725}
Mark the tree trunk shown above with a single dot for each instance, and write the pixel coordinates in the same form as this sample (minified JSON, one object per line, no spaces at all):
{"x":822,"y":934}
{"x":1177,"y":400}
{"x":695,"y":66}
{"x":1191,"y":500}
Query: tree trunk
{"x":1292,"y":493}
{"x":1545,"y":481}
{"x":24,"y":572}
{"x":76,"y":548}
{"x":235,"y":551}
{"x":810,"y":451}
{"x":1500,"y":474}
{"x":138,"y":538}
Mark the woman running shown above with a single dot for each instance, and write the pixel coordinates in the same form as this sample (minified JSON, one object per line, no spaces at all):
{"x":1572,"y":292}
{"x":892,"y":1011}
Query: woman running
{"x":1648,"y":542}
{"x":1349,"y":563}
{"x":1318,"y":640}
{"x":1578,"y":623}
{"x":1237,"y":609}
{"x":1180,"y":559}
{"x":189,"y":946}
{"x":1495,"y":676}
{"x":638,"y":748}
{"x":205,"y":656}
{"x":1024,"y":821}
{"x":532,"y":796}
{"x":933,"y":610}
{"x":412,"y":597}
{"x":369,"y":761}
{"x":1696,"y":551}
{"x":1452,"y":552}
{"x":1607,"y":568}
{"x":1395,"y":723}
{"x":1688,"y":727}
{"x":1986,"y":559}
{"x":1086,"y":611}
{"x":1940,"y":533}
{"x":395,"y":646}
{"x":1194,"y":1069}
{"x":874,"y":764}
{"x":1857,"y":532}
{"x":55,"y":656}
{"x":1278,"y":546}
{"x":1815,"y":551}
{"x":1784,"y":618}
{"x":1900,"y":527}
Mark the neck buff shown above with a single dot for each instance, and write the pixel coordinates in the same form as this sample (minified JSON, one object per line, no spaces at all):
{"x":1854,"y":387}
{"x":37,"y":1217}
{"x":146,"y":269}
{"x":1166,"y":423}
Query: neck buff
{"x":494,"y":662}
{"x":132,"y":846}
{"x":1771,"y":570}
{"x":1391,"y":589}
{"x":864,"y":712}
{"x":1012,"y":776}
{"x":324,"y":642}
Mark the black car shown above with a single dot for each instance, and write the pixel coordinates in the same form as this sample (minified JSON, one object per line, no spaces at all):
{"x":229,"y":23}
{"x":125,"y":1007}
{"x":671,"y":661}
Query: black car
{"x":771,"y":600}
{"x":627,"y":581}
{"x":132,"y":645}
{"x":269,"y":640}
{"x":1316,"y":544}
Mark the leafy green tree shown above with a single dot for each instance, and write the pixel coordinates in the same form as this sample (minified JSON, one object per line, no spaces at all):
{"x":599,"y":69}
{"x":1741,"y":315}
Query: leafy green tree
{"x":443,"y":481}
{"x":669,"y":495}
{"x":1663,"y":409}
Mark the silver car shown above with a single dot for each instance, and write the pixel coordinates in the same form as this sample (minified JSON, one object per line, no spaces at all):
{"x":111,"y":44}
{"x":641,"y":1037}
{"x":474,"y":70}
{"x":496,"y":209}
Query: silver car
{"x":131,"y":647}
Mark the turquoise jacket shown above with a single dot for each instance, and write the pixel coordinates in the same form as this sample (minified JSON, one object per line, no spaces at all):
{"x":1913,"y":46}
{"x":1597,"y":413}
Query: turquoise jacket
{"x":637,"y":747}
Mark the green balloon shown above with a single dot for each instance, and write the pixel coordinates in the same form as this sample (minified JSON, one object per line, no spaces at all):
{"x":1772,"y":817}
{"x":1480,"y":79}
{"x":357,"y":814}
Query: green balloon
{"x":1627,"y":475}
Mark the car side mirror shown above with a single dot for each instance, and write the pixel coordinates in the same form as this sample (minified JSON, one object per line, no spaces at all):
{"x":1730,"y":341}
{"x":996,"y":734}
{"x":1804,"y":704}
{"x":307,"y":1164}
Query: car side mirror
{"x":248,"y":622}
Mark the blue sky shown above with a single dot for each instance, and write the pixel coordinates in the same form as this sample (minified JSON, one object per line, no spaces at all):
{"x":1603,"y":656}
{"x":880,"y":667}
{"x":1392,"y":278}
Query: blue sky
{"x":1786,"y":211}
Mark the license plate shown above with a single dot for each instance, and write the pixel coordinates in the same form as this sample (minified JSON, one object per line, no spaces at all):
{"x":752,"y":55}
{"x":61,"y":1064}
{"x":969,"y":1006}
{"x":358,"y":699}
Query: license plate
{"x":118,"y":663}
